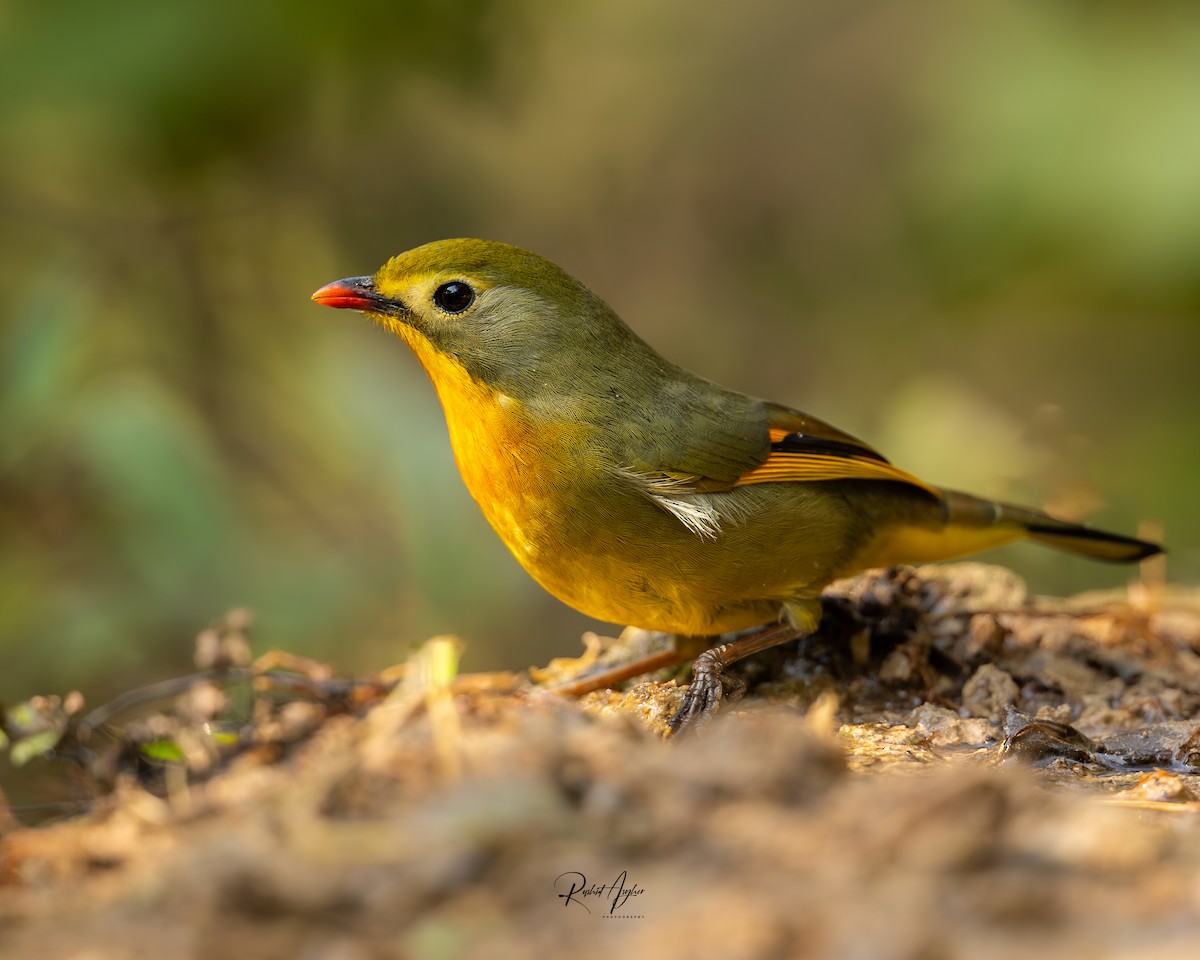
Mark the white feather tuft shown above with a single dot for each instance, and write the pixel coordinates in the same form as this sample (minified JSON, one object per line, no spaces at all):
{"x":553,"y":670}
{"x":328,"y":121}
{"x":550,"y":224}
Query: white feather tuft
{"x":696,"y":511}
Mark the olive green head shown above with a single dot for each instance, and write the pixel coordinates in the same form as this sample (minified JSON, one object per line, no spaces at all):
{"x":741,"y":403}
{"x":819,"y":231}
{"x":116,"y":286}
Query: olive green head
{"x":512,"y":319}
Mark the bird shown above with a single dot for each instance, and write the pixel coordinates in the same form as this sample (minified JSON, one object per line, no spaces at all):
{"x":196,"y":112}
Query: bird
{"x":643,"y":494}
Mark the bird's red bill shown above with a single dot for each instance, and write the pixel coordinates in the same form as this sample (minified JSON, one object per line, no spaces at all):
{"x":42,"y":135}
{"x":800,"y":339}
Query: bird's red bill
{"x":341,"y":294}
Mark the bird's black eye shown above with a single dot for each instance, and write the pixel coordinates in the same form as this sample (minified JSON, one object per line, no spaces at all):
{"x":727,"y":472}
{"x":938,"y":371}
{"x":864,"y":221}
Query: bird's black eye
{"x":454,"y":297}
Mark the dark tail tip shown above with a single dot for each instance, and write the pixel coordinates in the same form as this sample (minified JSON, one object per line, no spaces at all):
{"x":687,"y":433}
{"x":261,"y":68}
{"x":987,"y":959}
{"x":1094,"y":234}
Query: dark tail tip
{"x":1097,"y":544}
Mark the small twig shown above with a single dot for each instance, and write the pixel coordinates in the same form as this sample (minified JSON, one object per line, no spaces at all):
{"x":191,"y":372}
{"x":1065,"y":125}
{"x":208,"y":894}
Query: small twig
{"x":155,"y":691}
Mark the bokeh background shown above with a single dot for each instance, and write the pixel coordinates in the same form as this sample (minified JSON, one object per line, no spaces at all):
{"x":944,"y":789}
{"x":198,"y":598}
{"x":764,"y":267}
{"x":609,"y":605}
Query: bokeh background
{"x":969,"y":233}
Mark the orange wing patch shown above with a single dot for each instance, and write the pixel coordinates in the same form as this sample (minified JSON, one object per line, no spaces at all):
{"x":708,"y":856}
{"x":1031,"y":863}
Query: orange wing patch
{"x":782,"y":467}
{"x":795,"y":457}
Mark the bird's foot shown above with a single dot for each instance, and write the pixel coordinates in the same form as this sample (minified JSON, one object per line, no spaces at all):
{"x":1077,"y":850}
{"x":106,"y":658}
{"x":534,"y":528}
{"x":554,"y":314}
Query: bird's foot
{"x":711,"y":685}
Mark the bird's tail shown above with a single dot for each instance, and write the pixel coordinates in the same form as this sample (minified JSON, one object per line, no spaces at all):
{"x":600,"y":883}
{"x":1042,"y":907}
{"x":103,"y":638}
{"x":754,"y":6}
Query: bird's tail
{"x":991,"y":523}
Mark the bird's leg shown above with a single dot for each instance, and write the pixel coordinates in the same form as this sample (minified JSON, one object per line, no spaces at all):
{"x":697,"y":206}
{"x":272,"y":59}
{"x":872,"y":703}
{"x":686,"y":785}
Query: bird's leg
{"x":606,"y":679}
{"x":707,"y":689}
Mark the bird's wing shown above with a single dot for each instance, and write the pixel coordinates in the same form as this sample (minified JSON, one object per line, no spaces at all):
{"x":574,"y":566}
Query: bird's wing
{"x":734,"y":440}
{"x":804,"y":448}
{"x":696,"y":434}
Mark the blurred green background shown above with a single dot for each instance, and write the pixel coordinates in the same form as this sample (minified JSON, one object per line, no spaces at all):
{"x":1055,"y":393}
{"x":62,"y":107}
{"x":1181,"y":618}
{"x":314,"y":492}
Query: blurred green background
{"x":969,"y":233}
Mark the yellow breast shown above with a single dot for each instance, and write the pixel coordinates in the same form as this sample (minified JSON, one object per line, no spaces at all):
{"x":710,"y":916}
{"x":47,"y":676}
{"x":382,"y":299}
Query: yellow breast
{"x":507,"y":460}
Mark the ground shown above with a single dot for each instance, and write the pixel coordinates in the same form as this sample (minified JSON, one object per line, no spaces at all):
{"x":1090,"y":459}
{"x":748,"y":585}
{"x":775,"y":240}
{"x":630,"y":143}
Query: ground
{"x":949,"y":768}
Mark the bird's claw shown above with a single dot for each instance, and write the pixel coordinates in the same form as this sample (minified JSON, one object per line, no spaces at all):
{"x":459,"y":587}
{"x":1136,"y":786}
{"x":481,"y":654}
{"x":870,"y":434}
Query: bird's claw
{"x":709,"y":687}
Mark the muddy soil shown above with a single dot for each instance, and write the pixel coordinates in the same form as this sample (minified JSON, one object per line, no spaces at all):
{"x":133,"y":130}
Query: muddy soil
{"x":950,"y":768}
